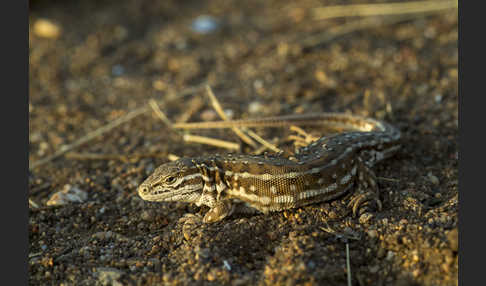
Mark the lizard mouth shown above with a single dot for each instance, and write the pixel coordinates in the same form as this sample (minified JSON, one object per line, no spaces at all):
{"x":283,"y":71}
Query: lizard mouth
{"x":161,"y":194}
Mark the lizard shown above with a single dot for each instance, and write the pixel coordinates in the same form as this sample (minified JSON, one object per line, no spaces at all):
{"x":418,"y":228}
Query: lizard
{"x":321,"y":171}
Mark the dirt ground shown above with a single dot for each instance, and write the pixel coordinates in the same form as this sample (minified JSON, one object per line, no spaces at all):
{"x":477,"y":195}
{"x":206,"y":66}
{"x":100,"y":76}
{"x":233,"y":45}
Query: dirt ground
{"x":94,"y":62}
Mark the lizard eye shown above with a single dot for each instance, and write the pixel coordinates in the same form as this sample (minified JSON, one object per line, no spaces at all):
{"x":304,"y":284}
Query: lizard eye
{"x":170,"y":180}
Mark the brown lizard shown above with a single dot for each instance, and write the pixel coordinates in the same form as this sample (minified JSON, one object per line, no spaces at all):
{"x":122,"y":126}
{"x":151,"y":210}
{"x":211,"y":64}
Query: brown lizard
{"x":324,"y":170}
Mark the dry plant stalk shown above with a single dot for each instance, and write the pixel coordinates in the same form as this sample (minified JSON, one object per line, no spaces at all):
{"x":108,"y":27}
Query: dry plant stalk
{"x":217,"y":107}
{"x":211,"y":141}
{"x":415,"y":7}
{"x":188,"y":137}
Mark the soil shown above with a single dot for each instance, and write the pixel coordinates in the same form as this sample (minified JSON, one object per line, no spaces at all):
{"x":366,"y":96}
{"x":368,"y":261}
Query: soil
{"x":98,"y":61}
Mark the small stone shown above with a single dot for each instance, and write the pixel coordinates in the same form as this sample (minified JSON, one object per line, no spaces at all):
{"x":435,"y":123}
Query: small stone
{"x":147,"y":215}
{"x":109,"y":276}
{"x":208,"y":115}
{"x":204,"y":24}
{"x":432,"y":179}
{"x":255,"y":107}
{"x":159,"y":85}
{"x":372,"y":233}
{"x":69,"y":194}
{"x":390,"y":255}
{"x":46,"y":29}
{"x":438,"y":98}
{"x":103,"y":235}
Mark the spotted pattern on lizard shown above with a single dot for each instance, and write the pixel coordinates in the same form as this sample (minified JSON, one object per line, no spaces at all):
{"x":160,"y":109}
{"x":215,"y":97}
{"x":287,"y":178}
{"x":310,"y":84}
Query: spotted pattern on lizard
{"x":324,"y":170}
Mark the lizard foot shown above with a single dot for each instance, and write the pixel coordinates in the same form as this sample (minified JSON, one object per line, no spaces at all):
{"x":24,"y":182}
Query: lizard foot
{"x":360,"y":202}
{"x":218,"y":212}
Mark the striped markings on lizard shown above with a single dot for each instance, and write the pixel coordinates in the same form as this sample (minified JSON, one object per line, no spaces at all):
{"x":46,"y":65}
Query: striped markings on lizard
{"x":322,"y":171}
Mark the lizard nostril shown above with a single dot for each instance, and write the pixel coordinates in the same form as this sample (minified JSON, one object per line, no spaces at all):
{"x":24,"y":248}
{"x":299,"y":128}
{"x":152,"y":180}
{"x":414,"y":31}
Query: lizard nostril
{"x":143,"y":190}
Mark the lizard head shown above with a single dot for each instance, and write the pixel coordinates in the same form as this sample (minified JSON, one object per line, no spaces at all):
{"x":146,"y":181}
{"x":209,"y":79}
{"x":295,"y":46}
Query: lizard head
{"x":175,"y":181}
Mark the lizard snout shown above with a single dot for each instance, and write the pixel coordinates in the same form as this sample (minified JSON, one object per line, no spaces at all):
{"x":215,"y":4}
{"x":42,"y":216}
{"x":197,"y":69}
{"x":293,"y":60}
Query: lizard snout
{"x":143,"y":190}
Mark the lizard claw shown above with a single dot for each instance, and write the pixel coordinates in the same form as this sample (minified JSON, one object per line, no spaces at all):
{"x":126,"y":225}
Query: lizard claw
{"x":362,"y":200}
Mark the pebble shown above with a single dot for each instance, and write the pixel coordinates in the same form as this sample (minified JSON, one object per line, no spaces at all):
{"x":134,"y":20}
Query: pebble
{"x":109,"y":276}
{"x":102,"y":235}
{"x":390,"y":255}
{"x":69,"y":194}
{"x":159,"y":85}
{"x":432,"y":179}
{"x":46,"y":29}
{"x":438,"y":98}
{"x":255,"y":107}
{"x":372,"y":233}
{"x":204,"y":24}
{"x":147,"y":215}
{"x":208,"y":115}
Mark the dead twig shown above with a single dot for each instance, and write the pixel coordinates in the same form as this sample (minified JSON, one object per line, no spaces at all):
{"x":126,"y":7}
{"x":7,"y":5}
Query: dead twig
{"x":348,"y":265}
{"x":160,"y":114}
{"x":368,"y":23}
{"x":192,"y":107}
{"x":416,"y":7}
{"x":388,"y":179}
{"x":125,"y":158}
{"x":217,"y":107}
{"x":211,"y":141}
{"x":90,"y":136}
{"x":33,"y":204}
{"x":263,"y":141}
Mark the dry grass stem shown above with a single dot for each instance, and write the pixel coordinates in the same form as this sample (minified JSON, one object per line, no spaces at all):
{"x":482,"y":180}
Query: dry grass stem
{"x":388,"y":179}
{"x":90,"y":136}
{"x":298,"y":130}
{"x":192,"y":107}
{"x":33,"y":204}
{"x":217,"y":107}
{"x":416,"y":7}
{"x":263,"y":141}
{"x":160,"y":114}
{"x":348,"y":265}
{"x":126,"y":158}
{"x":211,"y":141}
{"x":332,"y":34}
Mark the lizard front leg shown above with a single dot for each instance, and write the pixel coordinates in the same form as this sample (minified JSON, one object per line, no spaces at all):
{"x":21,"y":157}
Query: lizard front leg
{"x":219,"y":211}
